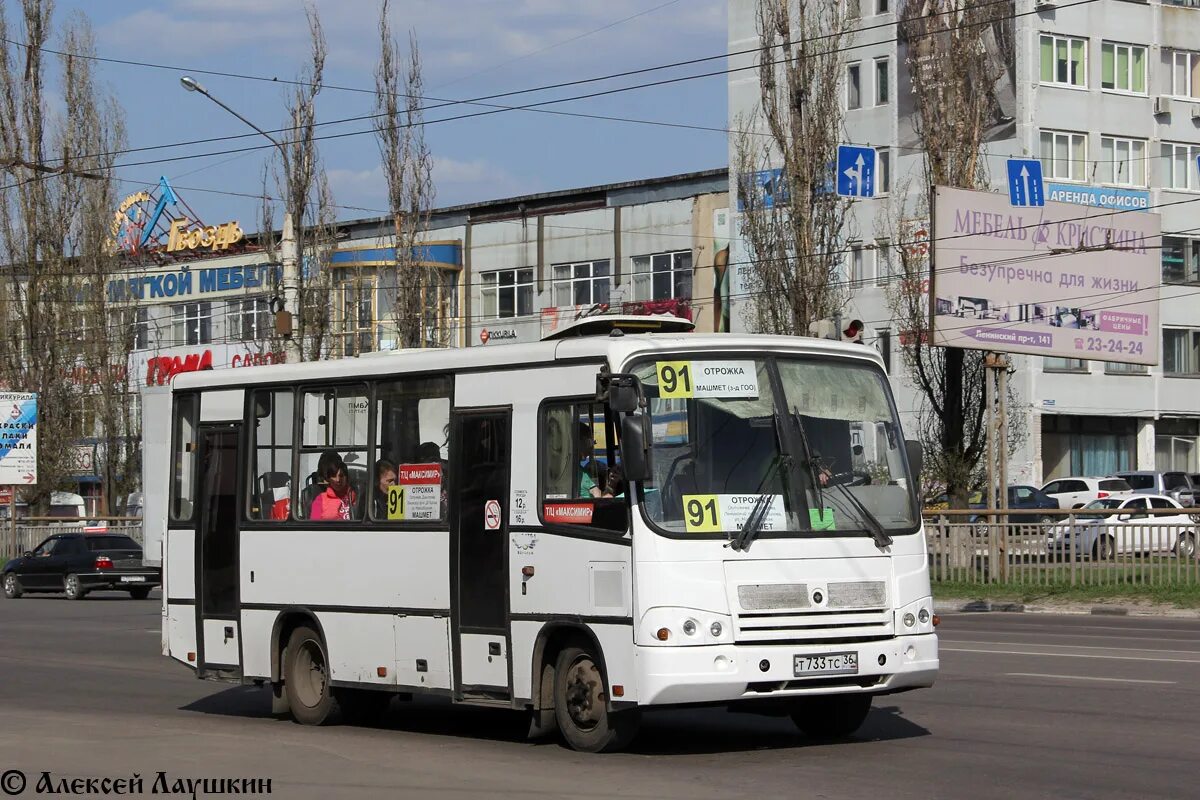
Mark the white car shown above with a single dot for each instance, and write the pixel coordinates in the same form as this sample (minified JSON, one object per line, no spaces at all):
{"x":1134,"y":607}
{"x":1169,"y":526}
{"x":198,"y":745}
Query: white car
{"x":1078,"y":492}
{"x":1133,"y":530}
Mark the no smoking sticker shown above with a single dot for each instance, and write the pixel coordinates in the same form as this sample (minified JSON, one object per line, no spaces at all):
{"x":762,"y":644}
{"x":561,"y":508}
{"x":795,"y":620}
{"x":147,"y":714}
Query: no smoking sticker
{"x":491,"y":515}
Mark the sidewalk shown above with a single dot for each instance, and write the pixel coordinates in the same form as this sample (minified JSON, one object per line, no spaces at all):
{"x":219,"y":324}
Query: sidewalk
{"x":1122,"y":608}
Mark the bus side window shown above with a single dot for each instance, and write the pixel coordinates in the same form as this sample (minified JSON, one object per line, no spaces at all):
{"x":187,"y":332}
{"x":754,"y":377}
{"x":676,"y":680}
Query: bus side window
{"x":581,"y":481}
{"x":270,"y":497}
{"x":183,"y":457}
{"x":333,"y":423}
{"x":411,"y":450}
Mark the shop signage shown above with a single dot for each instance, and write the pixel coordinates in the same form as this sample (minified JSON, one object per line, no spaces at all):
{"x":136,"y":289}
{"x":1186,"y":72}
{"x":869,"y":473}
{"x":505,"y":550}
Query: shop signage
{"x":160,"y":369}
{"x":1099,"y":196}
{"x":194,"y":281}
{"x":501,"y":335}
{"x":18,"y":437}
{"x":214,"y":237}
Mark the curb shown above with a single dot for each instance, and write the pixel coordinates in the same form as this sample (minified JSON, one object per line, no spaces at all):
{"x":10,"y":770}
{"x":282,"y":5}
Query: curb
{"x":959,"y":605}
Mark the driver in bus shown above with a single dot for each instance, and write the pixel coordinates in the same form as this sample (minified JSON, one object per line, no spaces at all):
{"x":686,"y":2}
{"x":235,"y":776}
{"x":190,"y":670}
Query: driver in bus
{"x":338,"y":498}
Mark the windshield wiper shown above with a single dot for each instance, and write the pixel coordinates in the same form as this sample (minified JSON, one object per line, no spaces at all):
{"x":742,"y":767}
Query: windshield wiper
{"x":753,"y":523}
{"x":874,"y":526}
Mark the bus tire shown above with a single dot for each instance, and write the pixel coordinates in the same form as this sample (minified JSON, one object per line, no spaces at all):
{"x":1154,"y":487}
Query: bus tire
{"x":306,"y":679}
{"x":833,"y":716}
{"x":581,"y":705}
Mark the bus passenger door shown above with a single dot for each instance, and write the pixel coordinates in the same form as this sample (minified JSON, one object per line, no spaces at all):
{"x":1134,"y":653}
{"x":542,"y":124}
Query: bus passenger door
{"x":217,"y":548}
{"x":478,"y":552}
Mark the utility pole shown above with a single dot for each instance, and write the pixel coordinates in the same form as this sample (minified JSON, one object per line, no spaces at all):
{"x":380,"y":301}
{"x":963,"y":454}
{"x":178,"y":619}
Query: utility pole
{"x":289,"y":249}
{"x":997,"y":365}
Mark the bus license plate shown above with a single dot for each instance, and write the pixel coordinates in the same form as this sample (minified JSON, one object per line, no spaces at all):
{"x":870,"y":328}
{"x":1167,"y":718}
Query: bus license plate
{"x":133,"y":579}
{"x":825,"y":664}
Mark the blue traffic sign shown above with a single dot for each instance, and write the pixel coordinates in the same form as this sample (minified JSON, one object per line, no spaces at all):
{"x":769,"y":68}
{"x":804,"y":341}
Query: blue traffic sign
{"x":1025,"y":186}
{"x":855,"y":171}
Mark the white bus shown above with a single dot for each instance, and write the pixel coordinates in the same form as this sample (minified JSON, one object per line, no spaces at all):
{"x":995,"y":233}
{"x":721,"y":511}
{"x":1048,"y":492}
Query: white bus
{"x":584,"y":528}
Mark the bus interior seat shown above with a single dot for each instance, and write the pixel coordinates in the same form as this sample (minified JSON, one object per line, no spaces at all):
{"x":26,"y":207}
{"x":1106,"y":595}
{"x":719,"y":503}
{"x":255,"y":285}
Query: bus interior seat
{"x":272,"y":487}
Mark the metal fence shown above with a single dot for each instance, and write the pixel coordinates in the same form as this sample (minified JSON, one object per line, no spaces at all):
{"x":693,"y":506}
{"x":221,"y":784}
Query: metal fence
{"x":28,"y":534}
{"x":1068,"y":549}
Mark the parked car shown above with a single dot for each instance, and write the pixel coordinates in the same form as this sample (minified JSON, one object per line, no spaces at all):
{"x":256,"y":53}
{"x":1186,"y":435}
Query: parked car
{"x":1132,"y":530}
{"x":1078,"y":492}
{"x":1027,"y":497}
{"x":1176,"y":485}
{"x":78,"y":563}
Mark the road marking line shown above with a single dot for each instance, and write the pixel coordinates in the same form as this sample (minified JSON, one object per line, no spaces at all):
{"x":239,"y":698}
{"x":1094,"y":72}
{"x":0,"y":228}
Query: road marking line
{"x":1070,"y":655}
{"x":1082,"y":678}
{"x":1072,"y":646}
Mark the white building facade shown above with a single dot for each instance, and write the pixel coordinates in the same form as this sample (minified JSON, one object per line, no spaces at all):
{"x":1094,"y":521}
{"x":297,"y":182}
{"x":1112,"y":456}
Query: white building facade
{"x":1107,"y":95}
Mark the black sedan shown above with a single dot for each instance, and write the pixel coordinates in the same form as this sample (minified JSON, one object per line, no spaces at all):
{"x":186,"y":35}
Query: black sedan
{"x":78,"y":563}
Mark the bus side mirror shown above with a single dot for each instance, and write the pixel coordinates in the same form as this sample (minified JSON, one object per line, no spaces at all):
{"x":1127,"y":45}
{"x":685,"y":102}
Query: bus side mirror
{"x":635,"y":447}
{"x":622,"y":390}
{"x":916,"y":458}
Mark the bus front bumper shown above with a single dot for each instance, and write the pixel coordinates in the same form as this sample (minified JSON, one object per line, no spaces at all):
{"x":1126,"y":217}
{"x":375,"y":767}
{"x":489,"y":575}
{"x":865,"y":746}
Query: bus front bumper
{"x":722,"y":673}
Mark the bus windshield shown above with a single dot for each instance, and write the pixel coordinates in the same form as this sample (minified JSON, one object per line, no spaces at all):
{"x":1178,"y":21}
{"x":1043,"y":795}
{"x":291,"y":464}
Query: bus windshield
{"x":811,"y":446}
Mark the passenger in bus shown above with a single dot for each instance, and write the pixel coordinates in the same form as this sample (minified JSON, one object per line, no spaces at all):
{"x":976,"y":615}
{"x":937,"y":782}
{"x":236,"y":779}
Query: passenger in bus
{"x":337,"y":501}
{"x":385,"y":477}
{"x":594,"y":481}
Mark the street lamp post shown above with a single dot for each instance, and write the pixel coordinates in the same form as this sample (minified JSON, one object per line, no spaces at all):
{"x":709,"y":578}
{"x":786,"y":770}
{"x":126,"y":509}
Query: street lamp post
{"x":289,"y":250}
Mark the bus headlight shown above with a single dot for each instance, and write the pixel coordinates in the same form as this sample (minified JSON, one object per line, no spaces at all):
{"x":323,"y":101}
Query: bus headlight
{"x":915,"y":618}
{"x":692,"y":626}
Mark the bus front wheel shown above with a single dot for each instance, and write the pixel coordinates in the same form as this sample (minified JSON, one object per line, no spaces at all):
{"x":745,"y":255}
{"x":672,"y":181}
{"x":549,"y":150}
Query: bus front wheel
{"x":833,"y":716}
{"x":581,"y":705}
{"x":306,"y":678}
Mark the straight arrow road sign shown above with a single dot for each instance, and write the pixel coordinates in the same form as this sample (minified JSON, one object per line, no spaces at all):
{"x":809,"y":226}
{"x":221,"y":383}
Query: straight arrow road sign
{"x":1025,"y":187}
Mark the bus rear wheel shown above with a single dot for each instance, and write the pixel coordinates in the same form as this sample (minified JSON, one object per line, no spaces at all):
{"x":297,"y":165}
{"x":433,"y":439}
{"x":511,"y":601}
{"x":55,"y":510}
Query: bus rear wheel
{"x":581,"y":706}
{"x":306,"y":678}
{"x":833,"y":716}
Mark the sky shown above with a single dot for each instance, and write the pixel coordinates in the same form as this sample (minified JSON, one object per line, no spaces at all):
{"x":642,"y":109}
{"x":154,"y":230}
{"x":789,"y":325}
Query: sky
{"x":469,"y":48}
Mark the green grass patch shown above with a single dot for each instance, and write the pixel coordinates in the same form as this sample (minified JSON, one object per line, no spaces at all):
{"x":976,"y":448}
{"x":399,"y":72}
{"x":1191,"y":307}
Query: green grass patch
{"x":1181,"y":595}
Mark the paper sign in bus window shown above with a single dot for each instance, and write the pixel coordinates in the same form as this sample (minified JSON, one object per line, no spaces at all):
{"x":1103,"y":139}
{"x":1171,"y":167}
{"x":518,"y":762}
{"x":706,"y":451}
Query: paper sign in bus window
{"x":723,"y":379}
{"x":711,"y":513}
{"x":417,"y":494}
{"x":821,"y":519}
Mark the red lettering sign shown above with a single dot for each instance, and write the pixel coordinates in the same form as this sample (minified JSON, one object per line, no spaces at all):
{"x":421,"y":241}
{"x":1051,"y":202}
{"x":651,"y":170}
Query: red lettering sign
{"x":160,"y":369}
{"x":568,"y":513}
{"x":415,"y":474}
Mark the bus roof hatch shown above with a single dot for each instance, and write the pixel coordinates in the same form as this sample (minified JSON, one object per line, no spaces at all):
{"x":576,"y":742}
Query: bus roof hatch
{"x":604,"y":324}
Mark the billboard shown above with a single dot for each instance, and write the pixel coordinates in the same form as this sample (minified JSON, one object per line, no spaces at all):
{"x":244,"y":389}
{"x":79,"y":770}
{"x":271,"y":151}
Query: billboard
{"x":18,"y":438}
{"x":924,"y":49}
{"x":1061,"y":280}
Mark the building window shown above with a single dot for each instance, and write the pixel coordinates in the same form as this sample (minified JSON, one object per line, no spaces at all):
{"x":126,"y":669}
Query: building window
{"x":1064,"y":155}
{"x":356,"y":317}
{"x":248,"y":320}
{"x":192,"y":324}
{"x":1179,"y":166}
{"x":1123,"y":161}
{"x":883,"y":343}
{"x":1180,"y":260}
{"x":1185,"y":74}
{"x":1050,"y":364}
{"x":882,"y":6}
{"x":883,"y":262}
{"x":858,"y":266}
{"x":1114,"y":368}
{"x":882,"y":85}
{"x":883,"y":170}
{"x":1123,"y":67}
{"x":141,"y":329}
{"x":854,"y":86}
{"x":1181,"y":351}
{"x":1064,"y":60}
{"x":1175,"y":445}
{"x":581,"y":284}
{"x":664,"y":276}
{"x":1074,"y":445}
{"x":507,"y":293}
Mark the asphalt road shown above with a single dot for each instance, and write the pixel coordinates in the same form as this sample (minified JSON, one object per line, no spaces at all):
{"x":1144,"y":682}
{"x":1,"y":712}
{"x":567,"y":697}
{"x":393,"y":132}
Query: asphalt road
{"x":1027,"y":706}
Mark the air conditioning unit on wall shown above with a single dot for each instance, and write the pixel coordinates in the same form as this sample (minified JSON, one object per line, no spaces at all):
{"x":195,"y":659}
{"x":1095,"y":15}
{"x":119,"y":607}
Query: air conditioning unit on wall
{"x":1162,"y":105}
{"x":1195,"y":113}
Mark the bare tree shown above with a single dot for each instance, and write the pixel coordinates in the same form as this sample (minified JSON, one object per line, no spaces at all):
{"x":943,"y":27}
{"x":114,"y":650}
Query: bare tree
{"x":792,"y":221}
{"x":306,"y":196}
{"x":55,"y":206}
{"x":421,"y":294}
{"x":955,"y":62}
